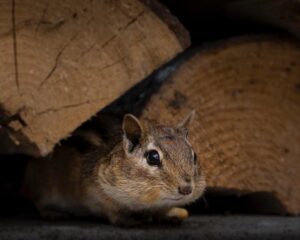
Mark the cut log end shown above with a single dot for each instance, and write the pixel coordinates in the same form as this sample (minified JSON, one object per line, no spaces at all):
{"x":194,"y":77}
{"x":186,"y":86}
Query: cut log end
{"x":246,"y":93}
{"x":61,"y":62}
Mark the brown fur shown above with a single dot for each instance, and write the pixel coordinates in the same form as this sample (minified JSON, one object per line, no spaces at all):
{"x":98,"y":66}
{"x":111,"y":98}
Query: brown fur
{"x":118,"y":183}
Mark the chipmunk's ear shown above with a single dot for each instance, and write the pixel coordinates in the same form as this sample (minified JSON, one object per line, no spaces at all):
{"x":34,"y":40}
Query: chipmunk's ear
{"x":183,"y":126}
{"x":187,"y":120}
{"x":132,"y":130}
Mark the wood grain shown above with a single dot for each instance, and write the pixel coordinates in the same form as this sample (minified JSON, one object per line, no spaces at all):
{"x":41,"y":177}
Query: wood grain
{"x":246,"y":93}
{"x":62,"y":61}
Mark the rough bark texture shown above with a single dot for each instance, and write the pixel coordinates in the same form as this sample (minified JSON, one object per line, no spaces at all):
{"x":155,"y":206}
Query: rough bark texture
{"x":246,"y":93}
{"x":62,"y":61}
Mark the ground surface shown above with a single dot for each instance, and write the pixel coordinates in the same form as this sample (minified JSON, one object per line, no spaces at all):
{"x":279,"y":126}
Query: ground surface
{"x":202,"y":227}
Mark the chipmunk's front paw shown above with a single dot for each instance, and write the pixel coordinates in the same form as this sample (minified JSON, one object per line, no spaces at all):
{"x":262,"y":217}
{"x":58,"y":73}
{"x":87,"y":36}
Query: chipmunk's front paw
{"x":173,"y":216}
{"x":180,"y":213}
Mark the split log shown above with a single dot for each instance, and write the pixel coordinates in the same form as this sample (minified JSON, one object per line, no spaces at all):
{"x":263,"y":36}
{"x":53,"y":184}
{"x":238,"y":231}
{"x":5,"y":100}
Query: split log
{"x":62,"y":61}
{"x":246,"y":93}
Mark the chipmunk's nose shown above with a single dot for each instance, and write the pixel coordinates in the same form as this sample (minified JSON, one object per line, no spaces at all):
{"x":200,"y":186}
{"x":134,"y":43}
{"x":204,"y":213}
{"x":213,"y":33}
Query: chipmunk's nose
{"x":185,"y":190}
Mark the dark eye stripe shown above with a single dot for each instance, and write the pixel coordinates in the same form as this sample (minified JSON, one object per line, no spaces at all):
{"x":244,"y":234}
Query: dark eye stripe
{"x":167,"y":137}
{"x":195,"y":158}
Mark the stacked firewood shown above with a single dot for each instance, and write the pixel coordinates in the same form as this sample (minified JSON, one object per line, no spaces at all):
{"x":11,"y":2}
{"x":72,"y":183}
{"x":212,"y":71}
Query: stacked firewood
{"x":61,"y":62}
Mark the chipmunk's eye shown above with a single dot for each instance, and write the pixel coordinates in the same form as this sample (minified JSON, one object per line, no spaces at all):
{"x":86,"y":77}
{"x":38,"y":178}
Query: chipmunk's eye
{"x":195,"y":158}
{"x":153,"y":158}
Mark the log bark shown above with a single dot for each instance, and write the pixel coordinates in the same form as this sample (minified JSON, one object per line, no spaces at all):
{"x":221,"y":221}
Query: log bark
{"x":62,"y":61}
{"x":246,"y":93}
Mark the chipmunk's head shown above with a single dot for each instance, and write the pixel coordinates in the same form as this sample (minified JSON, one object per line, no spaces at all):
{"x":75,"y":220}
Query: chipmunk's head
{"x":160,"y":168}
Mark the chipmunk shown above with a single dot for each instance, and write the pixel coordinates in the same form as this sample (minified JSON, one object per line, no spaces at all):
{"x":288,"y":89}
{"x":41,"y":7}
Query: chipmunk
{"x":151,"y":170}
